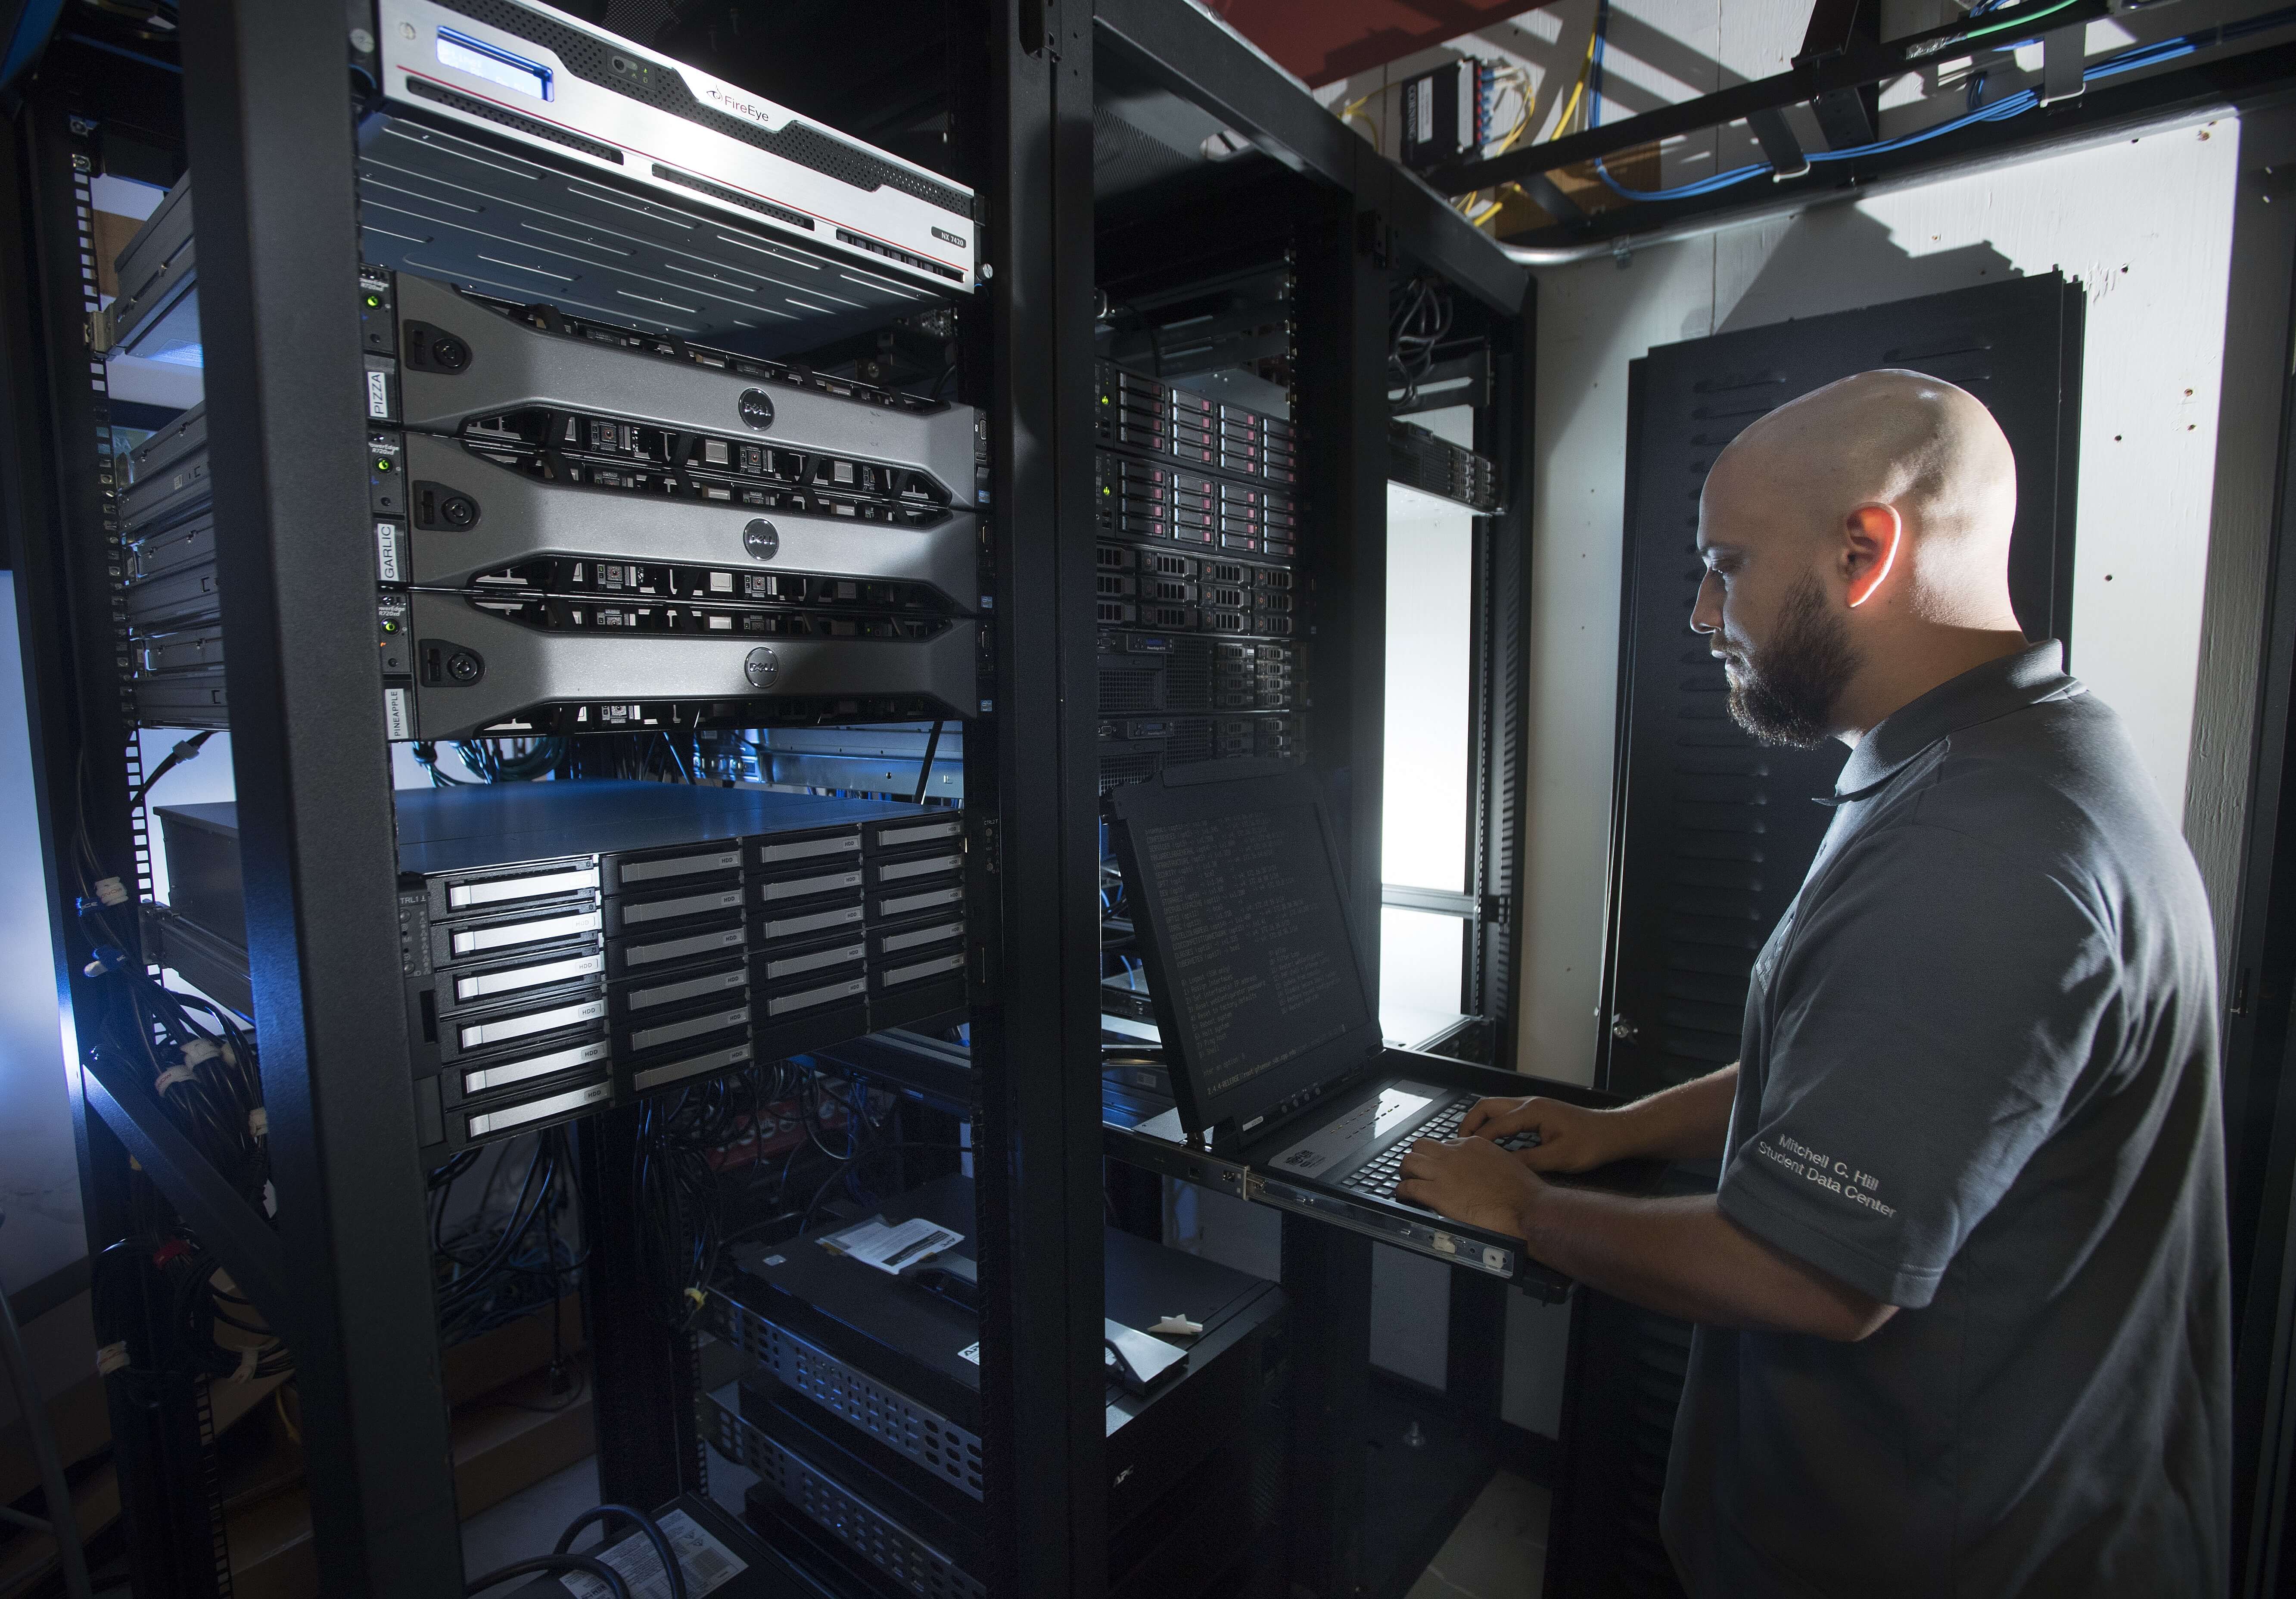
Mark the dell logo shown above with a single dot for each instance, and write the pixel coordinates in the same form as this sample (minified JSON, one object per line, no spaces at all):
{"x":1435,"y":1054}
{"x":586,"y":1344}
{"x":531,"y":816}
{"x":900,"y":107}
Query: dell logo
{"x":757,"y":407}
{"x":761,"y":539}
{"x":762,"y":668}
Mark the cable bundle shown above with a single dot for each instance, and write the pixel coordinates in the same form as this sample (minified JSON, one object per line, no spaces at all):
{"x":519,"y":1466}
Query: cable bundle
{"x":490,"y":1274}
{"x":1418,"y":320}
{"x":2000,"y":111}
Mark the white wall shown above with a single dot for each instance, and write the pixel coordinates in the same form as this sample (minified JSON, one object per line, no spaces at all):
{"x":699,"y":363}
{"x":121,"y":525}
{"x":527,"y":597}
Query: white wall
{"x":2145,"y":225}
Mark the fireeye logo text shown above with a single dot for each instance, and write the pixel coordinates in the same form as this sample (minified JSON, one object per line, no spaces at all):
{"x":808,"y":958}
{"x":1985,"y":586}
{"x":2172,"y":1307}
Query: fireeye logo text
{"x":755,"y":113}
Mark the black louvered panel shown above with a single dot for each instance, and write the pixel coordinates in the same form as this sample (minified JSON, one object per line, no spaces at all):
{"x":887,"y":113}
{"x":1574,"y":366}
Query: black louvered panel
{"x":1624,"y":1384}
{"x":1715,"y":831}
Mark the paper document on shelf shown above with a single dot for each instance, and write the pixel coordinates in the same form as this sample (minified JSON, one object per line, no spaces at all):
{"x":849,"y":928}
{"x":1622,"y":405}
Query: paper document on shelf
{"x":893,"y":1249}
{"x":707,"y":1564}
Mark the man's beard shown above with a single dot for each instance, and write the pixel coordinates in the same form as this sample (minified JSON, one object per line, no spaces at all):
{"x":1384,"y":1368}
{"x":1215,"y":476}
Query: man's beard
{"x":1785,"y":693}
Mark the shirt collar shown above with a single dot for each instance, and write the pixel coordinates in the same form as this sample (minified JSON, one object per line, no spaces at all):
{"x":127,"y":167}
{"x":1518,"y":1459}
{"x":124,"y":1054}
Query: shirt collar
{"x":2026,"y":677}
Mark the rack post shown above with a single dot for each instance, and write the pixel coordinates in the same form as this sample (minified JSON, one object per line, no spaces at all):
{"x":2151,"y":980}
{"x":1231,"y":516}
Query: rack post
{"x":269,"y":135}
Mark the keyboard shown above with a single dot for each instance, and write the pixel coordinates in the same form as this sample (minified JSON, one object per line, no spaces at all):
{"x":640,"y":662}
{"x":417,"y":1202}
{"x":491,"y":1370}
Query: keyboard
{"x":1377,"y":1175}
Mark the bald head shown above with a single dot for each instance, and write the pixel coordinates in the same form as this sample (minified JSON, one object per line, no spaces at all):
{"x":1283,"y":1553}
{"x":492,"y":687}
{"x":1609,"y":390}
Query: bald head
{"x":1928,"y":451}
{"x":1857,"y":542}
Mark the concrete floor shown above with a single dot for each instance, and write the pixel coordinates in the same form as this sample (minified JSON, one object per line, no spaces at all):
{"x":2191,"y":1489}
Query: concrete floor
{"x":1497,"y":1552}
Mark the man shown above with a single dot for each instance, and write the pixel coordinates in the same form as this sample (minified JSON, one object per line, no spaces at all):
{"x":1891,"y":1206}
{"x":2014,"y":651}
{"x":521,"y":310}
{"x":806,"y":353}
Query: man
{"x":1962,"y":1295}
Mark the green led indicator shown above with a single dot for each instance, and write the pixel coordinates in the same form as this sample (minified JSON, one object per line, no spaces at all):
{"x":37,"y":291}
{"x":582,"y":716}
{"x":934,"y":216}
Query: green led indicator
{"x":382,"y":464}
{"x":374,"y":302}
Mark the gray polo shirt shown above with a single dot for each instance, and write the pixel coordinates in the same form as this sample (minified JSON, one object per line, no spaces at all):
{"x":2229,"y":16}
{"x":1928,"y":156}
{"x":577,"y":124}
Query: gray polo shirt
{"x":1978,"y":1083}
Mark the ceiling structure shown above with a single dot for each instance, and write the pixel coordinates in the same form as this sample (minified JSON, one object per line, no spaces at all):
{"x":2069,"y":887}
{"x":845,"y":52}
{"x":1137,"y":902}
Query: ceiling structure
{"x":1323,"y":41}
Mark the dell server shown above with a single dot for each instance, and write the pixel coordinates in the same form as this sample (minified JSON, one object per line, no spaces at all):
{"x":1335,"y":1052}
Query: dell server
{"x":481,"y":666}
{"x":585,"y":528}
{"x":863,"y":1416}
{"x":569,"y":946}
{"x":461,"y":357}
{"x":514,"y":147}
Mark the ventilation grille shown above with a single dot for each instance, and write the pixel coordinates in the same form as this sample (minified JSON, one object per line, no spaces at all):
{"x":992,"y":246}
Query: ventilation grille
{"x":911,"y":1561}
{"x":525,"y":125}
{"x":1127,"y":689}
{"x":932,"y":1440}
{"x":592,"y":60}
{"x":703,"y":185}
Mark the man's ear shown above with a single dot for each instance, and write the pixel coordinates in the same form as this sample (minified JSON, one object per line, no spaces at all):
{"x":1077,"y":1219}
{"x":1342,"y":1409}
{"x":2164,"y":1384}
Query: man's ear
{"x":1872,"y":536}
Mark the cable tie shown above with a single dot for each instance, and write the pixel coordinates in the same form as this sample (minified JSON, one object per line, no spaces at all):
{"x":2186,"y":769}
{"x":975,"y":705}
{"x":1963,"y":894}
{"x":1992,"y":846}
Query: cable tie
{"x":258,"y":1123}
{"x":699,"y":1298}
{"x":199,"y":1050}
{"x":248,"y":1358}
{"x":111,"y":891}
{"x":172,"y":1076}
{"x":112,"y":1357}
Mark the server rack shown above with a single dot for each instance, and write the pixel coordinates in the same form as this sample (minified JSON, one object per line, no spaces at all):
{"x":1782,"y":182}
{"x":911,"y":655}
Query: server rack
{"x":340,"y":1276}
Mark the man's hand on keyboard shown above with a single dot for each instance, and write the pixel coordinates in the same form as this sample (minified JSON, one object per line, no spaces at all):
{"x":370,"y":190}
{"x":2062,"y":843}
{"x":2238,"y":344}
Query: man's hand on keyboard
{"x":1470,"y":1180}
{"x":1560,"y":1137}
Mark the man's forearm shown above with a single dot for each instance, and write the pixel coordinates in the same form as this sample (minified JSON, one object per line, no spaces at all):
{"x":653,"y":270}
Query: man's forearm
{"x":1684,"y":1258}
{"x":1687,"y":1122}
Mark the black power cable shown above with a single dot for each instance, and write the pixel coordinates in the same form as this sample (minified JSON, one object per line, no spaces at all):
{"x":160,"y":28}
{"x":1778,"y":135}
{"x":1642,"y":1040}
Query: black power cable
{"x":646,"y":1524}
{"x":924,"y":772}
{"x":846,"y":1171}
{"x":596,"y":1568}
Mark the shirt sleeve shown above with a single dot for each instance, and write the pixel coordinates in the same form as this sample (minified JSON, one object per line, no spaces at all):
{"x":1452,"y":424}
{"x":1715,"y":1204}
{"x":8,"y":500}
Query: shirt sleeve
{"x":1931,"y":1018}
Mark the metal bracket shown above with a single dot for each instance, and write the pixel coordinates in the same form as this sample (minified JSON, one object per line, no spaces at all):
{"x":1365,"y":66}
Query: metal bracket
{"x":2063,"y":55}
{"x":1778,"y":142}
{"x":1372,"y":237}
{"x":1549,"y":197}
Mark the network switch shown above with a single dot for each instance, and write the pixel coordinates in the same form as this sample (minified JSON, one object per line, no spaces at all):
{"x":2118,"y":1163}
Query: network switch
{"x":567,"y":946}
{"x":518,"y":148}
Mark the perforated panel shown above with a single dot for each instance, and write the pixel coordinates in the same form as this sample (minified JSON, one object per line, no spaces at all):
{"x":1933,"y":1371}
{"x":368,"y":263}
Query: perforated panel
{"x":931,"y":1439}
{"x":913,"y":1564}
{"x":526,"y":125}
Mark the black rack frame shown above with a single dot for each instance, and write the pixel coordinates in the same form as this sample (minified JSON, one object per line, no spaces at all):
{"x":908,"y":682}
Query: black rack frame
{"x":343,"y":1274}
